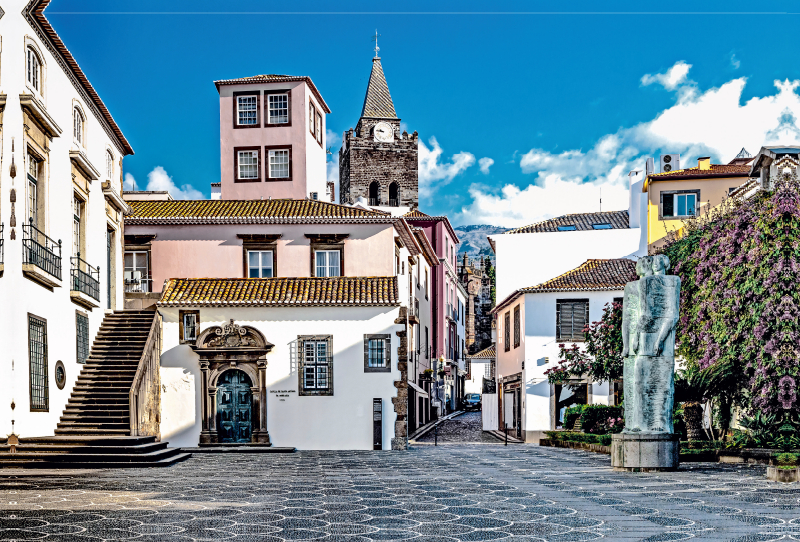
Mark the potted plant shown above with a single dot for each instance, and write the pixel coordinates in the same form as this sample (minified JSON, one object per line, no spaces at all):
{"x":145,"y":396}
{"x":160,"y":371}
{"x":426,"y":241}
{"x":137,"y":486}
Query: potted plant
{"x":785,"y":468}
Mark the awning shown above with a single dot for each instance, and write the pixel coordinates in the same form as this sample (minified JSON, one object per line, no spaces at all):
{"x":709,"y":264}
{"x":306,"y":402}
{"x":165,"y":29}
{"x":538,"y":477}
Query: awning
{"x":420,"y":391}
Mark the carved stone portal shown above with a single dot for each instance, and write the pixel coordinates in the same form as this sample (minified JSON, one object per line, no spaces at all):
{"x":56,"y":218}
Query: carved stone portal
{"x":227,"y":347}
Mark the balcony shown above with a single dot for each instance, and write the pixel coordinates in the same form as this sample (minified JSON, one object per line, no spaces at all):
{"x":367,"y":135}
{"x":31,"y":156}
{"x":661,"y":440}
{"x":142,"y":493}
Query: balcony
{"x":41,"y":257}
{"x":394,"y":202}
{"x":85,"y":283}
{"x":135,"y":284}
{"x":373,"y":201}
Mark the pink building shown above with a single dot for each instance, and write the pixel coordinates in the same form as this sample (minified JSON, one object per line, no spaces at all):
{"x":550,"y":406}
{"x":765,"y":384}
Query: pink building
{"x":272,"y":138}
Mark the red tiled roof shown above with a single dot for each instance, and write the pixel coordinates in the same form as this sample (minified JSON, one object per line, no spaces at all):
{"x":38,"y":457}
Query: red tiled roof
{"x":275,"y":78}
{"x":282,"y":292}
{"x":592,"y":275}
{"x":34,"y":12}
{"x":717,"y":170}
{"x":582,"y":221}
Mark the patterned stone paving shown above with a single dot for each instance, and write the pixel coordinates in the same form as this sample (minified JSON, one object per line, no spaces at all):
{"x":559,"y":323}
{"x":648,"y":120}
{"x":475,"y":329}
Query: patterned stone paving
{"x":450,"y":493}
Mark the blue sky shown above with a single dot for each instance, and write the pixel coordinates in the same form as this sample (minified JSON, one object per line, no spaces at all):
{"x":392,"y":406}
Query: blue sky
{"x":563,"y":104}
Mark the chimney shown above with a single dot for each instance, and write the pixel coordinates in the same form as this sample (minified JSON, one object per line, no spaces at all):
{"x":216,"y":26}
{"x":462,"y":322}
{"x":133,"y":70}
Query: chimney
{"x":704,"y":163}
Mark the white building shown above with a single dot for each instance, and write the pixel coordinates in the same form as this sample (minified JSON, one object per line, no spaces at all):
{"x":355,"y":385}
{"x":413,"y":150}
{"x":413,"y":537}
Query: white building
{"x":60,"y":186}
{"x":531,"y":323}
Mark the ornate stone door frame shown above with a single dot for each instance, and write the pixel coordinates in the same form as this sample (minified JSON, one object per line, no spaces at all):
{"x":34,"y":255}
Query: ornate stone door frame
{"x":226,"y":347}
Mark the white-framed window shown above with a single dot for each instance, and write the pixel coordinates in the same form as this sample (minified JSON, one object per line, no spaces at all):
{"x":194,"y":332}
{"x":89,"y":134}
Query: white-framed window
{"x":316,"y":365}
{"x":260,"y":264}
{"x":136,"y":272}
{"x":190,"y":325}
{"x":312,"y":113}
{"x":679,"y":204}
{"x":34,"y":70}
{"x":77,"y":217}
{"x":247,"y":110}
{"x":77,"y":125}
{"x":279,"y":164}
{"x":314,"y":196}
{"x":109,"y":165}
{"x":328,"y":263}
{"x":318,"y":128}
{"x":248,"y":164}
{"x":278,"y":106}
{"x":377,"y":353}
{"x":33,"y":201}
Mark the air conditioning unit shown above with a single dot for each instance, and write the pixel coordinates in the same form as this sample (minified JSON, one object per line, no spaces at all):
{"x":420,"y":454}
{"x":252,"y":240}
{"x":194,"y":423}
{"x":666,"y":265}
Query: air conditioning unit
{"x":670,"y":162}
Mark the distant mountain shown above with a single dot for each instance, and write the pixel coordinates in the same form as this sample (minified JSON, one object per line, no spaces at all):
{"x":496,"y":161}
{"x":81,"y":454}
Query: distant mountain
{"x":473,"y":239}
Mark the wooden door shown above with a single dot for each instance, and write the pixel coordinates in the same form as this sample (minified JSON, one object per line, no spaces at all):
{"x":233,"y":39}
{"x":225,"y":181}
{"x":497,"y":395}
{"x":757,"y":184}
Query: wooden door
{"x":234,"y":407}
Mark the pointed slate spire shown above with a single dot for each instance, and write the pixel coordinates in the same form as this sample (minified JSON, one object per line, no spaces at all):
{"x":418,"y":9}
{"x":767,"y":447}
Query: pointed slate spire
{"x":378,"y":102}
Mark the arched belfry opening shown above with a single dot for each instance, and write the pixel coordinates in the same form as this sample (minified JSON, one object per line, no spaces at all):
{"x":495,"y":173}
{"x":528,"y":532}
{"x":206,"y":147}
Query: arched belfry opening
{"x":233,"y":365}
{"x":374,"y":193}
{"x":394,"y":195}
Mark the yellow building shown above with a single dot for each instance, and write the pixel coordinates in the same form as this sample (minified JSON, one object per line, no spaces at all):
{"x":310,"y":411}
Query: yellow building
{"x":675,"y":196}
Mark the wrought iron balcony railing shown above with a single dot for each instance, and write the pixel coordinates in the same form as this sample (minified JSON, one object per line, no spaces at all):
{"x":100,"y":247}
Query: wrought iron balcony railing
{"x":85,"y":278}
{"x":41,"y":251}
{"x":373,"y":201}
{"x":393,"y":202}
{"x":2,"y":245}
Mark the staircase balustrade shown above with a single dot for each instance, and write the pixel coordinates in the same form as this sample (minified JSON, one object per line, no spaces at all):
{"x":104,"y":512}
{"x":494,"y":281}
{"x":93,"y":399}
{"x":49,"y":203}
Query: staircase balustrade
{"x":145,"y":394}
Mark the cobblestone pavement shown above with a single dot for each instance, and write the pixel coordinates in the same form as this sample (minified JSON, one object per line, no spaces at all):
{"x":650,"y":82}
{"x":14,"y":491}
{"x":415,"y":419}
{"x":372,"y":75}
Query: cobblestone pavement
{"x":445,"y":494}
{"x":467,"y":427}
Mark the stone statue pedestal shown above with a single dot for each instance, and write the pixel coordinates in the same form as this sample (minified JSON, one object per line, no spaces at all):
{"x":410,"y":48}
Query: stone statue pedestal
{"x":638,"y":452}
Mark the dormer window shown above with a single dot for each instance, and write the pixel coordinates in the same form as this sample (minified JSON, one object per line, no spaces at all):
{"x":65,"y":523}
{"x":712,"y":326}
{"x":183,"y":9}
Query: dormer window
{"x":34,"y":69}
{"x":569,"y":227}
{"x":604,"y":226}
{"x":77,"y":124}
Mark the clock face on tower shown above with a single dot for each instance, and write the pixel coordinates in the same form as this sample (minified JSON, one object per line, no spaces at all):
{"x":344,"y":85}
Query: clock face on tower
{"x":383,"y":132}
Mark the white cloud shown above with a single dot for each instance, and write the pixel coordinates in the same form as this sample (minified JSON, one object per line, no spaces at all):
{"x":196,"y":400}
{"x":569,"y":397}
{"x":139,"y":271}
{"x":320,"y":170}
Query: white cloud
{"x":485,"y":164}
{"x":333,"y":139}
{"x":714,"y":122}
{"x":670,"y":80}
{"x":735,"y":62}
{"x":432,"y":173}
{"x":158,"y":180}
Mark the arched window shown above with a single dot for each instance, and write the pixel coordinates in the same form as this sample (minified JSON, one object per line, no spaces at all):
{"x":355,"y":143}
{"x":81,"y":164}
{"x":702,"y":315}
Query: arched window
{"x":374,"y":193}
{"x":34,"y":69}
{"x":394,"y":195}
{"x":109,"y":165}
{"x":78,"y":132}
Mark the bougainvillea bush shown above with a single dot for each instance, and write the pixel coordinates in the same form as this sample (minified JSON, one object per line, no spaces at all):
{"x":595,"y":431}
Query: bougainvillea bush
{"x":740,"y":304}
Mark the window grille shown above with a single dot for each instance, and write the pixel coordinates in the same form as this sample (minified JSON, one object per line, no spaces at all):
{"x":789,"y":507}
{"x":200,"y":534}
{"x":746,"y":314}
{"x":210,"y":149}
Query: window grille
{"x":572,"y":315}
{"x":37,"y":338}
{"x":507,"y":332}
{"x":517,"y":338}
{"x":248,"y":164}
{"x":328,"y":263}
{"x":248,"y":110}
{"x":377,"y":354}
{"x":278,"y":108}
{"x":259,"y":264}
{"x":279,"y":164}
{"x":82,"y":337}
{"x":315,"y":365}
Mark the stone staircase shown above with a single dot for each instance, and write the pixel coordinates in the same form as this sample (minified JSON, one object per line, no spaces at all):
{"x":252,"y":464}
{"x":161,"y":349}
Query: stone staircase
{"x":94,"y":430}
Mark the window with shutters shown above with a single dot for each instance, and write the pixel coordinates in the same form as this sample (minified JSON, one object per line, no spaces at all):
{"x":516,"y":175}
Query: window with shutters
{"x":315,"y":364}
{"x":517,"y":330}
{"x":189,"y":326}
{"x":572,"y":315}
{"x":377,"y":353}
{"x":507,"y":332}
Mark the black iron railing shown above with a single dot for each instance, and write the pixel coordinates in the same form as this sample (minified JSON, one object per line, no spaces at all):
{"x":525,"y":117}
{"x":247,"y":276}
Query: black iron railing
{"x":85,"y":278}
{"x":2,"y":245}
{"x":41,"y":251}
{"x":373,"y":201}
{"x":393,"y":203}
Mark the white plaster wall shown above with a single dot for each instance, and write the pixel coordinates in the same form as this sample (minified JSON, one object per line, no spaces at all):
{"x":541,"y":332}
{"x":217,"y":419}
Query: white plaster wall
{"x":529,"y":259}
{"x":474,"y":384}
{"x":19,"y":295}
{"x":341,"y":421}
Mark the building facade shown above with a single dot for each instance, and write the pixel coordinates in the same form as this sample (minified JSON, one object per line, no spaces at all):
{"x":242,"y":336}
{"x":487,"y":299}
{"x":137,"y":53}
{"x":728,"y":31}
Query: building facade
{"x":476,"y":277}
{"x":376,"y":161}
{"x":60,"y":218}
{"x":272,"y":138}
{"x":531,"y":324}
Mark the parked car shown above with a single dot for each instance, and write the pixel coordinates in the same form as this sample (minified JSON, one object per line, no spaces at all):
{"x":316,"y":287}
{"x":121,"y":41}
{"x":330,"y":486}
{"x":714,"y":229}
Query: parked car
{"x":472,"y":401}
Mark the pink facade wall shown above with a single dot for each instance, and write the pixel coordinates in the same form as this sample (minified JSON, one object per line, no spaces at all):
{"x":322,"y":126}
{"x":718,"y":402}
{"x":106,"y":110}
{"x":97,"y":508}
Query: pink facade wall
{"x":215,"y":251}
{"x":308,"y":156}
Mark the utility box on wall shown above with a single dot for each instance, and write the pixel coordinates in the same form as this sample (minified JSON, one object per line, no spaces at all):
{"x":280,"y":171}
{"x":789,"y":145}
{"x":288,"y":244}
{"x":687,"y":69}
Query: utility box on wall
{"x":377,"y":424}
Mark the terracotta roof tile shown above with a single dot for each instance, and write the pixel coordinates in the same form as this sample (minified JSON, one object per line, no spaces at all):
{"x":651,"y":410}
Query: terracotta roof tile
{"x":592,"y":275}
{"x":282,"y":292}
{"x":582,"y":221}
{"x":717,"y":170}
{"x":248,"y":212}
{"x":275,"y":78}
{"x":416,"y":214}
{"x":487,"y":353}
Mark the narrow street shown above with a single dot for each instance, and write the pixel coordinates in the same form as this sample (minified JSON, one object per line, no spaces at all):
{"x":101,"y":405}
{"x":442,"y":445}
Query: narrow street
{"x":464,"y":428}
